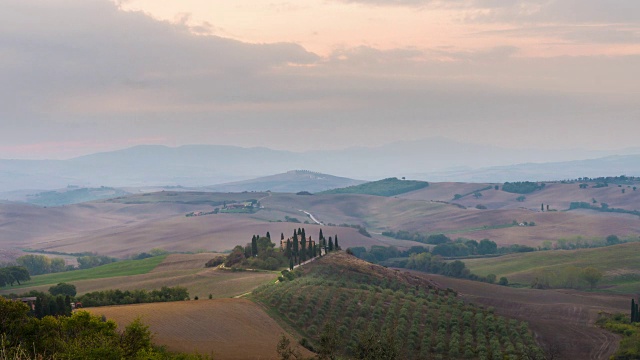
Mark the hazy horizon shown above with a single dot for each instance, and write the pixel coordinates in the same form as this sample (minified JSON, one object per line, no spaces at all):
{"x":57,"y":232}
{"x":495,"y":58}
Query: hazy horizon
{"x":80,"y":77}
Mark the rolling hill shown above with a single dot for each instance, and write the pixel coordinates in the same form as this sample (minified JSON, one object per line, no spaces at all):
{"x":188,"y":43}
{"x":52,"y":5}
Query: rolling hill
{"x":385,"y":187}
{"x":133,"y":224}
{"x":231,"y":329}
{"x":185,"y":270}
{"x":557,"y":195}
{"x":289,"y":182}
{"x":205,"y":165}
{"x":620,"y":265}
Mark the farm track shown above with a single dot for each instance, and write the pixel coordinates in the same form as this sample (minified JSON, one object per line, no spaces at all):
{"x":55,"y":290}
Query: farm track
{"x":562,"y":320}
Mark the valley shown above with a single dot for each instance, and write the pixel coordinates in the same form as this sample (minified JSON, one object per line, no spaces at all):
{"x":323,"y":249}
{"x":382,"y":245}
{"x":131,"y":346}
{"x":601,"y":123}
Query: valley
{"x":193,"y":227}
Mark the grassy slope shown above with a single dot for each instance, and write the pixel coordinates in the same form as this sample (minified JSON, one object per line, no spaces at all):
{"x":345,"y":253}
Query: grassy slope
{"x":620,"y":265}
{"x":120,"y":268}
{"x":385,"y":187}
{"x":186,"y":270}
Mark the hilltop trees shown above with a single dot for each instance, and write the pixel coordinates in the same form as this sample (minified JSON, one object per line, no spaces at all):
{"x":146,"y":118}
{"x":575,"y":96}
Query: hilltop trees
{"x":63,"y":289}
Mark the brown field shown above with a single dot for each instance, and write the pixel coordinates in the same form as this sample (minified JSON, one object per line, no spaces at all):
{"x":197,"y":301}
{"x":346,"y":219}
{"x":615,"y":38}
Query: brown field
{"x":226,"y":328}
{"x":178,"y":270}
{"x":561,"y":319}
{"x":136,"y":224}
{"x":557,"y":195}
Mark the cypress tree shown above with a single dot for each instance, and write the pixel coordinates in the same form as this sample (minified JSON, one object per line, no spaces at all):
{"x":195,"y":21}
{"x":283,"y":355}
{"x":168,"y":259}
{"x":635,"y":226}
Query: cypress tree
{"x":291,"y":263}
{"x":320,"y":237}
{"x":295,"y":244}
{"x":324,"y":244}
{"x":287,"y":251}
{"x":67,"y":305}
{"x":254,"y":245}
{"x":303,"y":248}
{"x":60,"y":305}
{"x":637,"y":314}
{"x":39,"y":308}
{"x":335,"y":239}
{"x":268,"y":235}
{"x":53,"y":308}
{"x":330,"y":244}
{"x":281,"y":236}
{"x":303,"y":234}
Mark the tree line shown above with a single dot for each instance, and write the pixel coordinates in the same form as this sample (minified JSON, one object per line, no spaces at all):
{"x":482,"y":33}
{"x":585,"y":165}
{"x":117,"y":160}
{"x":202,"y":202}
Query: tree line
{"x":13,"y":274}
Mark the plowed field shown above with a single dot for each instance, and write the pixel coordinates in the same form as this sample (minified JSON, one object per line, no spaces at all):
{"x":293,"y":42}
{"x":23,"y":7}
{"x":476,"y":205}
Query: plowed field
{"x":226,"y":328}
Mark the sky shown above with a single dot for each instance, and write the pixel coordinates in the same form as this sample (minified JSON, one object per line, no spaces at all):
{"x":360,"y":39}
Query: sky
{"x":83,"y":76}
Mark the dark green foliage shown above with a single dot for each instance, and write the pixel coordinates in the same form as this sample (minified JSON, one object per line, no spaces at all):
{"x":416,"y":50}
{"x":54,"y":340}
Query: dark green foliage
{"x":254,"y":245}
{"x":522,"y":187}
{"x":78,"y":336}
{"x":13,"y":274}
{"x":63,"y":289}
{"x":235,"y":257}
{"x":487,"y":246}
{"x":40,"y":264}
{"x":385,"y":187}
{"x":91,"y":261}
{"x":602,"y":208}
{"x":119,"y":297}
{"x":438,"y":239}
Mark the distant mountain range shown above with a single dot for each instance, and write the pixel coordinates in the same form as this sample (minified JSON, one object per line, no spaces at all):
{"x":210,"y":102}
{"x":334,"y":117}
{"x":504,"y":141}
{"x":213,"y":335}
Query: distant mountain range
{"x":435,"y":159}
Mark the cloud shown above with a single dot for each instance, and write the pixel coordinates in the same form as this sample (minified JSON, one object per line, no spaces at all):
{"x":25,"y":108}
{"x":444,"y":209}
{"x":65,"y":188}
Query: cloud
{"x":85,"y":72}
{"x":539,"y":11}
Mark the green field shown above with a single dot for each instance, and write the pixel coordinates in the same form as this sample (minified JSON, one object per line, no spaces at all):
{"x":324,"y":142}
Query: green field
{"x":120,"y":268}
{"x":385,"y":187}
{"x":620,"y":265}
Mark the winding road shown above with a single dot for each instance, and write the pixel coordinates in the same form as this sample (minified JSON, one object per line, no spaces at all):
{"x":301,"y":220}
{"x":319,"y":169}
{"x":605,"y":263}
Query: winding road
{"x":312,"y":217}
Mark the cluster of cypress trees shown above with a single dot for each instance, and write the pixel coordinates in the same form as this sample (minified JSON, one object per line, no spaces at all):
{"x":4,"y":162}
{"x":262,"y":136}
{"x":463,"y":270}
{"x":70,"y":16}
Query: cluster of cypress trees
{"x":299,"y":249}
{"x":54,"y":306}
{"x":635,"y":315}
